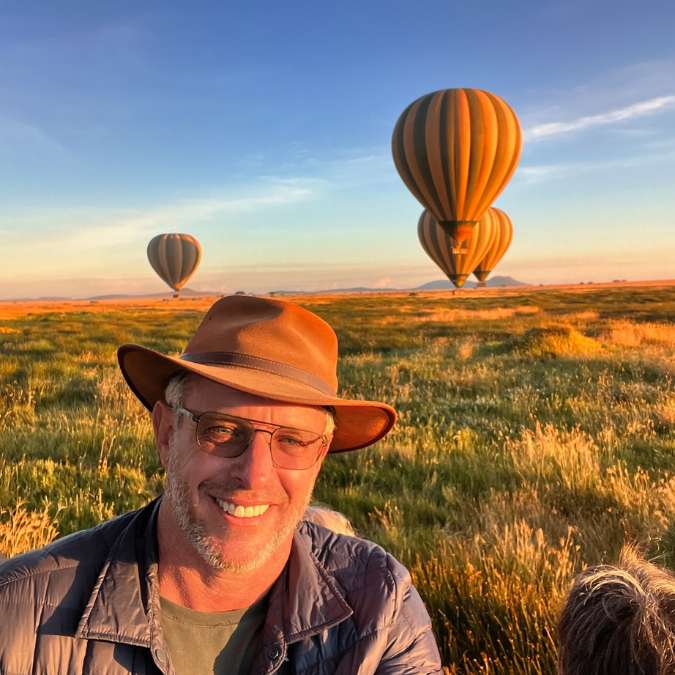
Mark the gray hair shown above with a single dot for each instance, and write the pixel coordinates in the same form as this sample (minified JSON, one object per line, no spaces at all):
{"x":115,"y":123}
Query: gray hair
{"x":619,"y":620}
{"x":174,"y":395}
{"x":175,"y":390}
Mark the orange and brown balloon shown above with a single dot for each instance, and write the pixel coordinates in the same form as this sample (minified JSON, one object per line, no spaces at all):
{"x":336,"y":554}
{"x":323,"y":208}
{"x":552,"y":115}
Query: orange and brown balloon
{"x":456,"y":150}
{"x":502,"y":236}
{"x":174,"y":257}
{"x":438,"y":245}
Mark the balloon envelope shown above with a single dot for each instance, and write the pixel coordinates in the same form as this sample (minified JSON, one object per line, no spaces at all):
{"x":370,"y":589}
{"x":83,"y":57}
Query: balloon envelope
{"x":174,"y":257}
{"x":456,"y":263}
{"x":503,"y":235}
{"x":456,"y":150}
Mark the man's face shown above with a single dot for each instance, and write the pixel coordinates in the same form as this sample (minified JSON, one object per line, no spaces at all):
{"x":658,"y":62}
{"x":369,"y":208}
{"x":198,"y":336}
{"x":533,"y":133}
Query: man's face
{"x":203,"y":489}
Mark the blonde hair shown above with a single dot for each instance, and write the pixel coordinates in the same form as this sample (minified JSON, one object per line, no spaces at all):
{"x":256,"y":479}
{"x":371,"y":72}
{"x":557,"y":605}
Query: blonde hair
{"x":619,"y":620}
{"x":333,"y":520}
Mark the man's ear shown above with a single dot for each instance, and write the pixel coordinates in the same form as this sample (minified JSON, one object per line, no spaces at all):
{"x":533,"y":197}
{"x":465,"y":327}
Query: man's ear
{"x":162,"y":424}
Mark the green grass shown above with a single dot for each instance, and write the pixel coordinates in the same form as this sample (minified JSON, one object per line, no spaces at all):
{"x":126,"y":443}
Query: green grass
{"x":536,"y":435}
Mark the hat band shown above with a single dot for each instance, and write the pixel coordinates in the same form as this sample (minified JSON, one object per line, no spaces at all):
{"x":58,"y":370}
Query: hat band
{"x":259,"y":363}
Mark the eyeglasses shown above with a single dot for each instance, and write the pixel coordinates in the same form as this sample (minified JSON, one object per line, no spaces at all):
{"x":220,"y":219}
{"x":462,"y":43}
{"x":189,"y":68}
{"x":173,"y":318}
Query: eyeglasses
{"x":228,"y":436}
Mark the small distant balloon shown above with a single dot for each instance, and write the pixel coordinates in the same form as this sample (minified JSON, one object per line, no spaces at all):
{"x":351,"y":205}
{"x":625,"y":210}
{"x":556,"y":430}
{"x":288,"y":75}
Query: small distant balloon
{"x":456,"y":263}
{"x":503,"y":235}
{"x":174,"y":257}
{"x":456,"y":149}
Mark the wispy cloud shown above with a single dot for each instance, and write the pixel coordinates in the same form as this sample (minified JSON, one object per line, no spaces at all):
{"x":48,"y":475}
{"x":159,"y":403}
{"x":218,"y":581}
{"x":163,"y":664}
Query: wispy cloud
{"x":640,"y":109}
{"x":537,"y":173}
{"x":95,"y":236}
{"x":132,"y":226}
{"x":15,"y":133}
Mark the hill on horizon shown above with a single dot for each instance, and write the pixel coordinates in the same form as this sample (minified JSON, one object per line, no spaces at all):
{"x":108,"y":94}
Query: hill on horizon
{"x":495,"y":282}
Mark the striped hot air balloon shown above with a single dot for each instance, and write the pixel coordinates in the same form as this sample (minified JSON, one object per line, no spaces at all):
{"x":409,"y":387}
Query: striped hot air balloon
{"x":503,"y":235}
{"x":456,"y":150}
{"x":174,"y":257}
{"x":438,"y":245}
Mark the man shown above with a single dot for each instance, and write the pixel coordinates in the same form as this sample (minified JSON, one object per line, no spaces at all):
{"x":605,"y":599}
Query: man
{"x":220,"y":574}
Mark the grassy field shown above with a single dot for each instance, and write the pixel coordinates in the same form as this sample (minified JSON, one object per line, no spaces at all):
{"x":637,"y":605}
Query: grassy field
{"x":536,"y":435}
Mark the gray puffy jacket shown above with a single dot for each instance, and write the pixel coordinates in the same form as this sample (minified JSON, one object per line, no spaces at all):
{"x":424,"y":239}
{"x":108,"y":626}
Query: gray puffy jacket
{"x":89,"y":603}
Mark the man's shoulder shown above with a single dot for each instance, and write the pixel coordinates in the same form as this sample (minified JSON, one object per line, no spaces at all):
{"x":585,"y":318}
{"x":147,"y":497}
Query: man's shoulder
{"x":384,"y":602}
{"x":358,"y":565}
{"x":78,"y":551}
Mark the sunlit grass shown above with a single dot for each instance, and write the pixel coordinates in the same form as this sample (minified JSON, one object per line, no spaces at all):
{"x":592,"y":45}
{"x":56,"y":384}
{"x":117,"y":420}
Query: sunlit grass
{"x":536,"y":434}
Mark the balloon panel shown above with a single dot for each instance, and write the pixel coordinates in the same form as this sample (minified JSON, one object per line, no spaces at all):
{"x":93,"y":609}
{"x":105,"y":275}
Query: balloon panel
{"x":456,"y":150}
{"x":174,"y":257}
{"x":503,"y":228}
{"x":456,"y":261}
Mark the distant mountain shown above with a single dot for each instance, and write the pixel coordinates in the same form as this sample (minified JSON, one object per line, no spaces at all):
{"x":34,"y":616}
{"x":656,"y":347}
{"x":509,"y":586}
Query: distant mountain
{"x":499,"y":282}
{"x":442,"y":285}
{"x":185,"y":292}
{"x":445,"y":284}
{"x":438,"y":285}
{"x":355,"y":289}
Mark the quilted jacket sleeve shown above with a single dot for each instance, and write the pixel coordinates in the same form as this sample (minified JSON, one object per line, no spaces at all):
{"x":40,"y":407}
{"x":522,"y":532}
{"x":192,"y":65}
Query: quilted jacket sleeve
{"x":411,"y":648}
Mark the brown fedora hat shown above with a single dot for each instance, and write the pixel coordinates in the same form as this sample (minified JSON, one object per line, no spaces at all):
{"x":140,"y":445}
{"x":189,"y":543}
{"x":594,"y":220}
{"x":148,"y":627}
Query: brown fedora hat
{"x":267,"y":347}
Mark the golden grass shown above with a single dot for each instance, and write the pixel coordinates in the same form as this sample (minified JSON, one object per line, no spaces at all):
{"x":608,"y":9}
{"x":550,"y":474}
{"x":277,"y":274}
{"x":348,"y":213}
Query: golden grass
{"x":562,"y":341}
{"x":630,"y":334}
{"x":536,"y":435}
{"x":452,"y":315}
{"x":23,"y":530}
{"x":16,"y":309}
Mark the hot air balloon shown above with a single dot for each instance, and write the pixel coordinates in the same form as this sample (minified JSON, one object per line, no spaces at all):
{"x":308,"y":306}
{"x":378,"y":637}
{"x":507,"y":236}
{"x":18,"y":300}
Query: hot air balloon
{"x":174,"y":257}
{"x":503,"y":235}
{"x":456,"y":150}
{"x":438,"y":246}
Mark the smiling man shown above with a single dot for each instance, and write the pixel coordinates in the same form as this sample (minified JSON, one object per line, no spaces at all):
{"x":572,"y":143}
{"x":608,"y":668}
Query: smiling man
{"x":221,"y":574}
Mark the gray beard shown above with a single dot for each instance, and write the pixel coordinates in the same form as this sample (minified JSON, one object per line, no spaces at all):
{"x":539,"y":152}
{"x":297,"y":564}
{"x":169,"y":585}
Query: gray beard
{"x":207,"y":546}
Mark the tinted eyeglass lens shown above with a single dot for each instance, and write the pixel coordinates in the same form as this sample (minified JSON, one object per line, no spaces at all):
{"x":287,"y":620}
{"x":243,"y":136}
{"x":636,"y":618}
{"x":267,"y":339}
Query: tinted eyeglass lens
{"x":294,"y":448}
{"x":223,"y":436}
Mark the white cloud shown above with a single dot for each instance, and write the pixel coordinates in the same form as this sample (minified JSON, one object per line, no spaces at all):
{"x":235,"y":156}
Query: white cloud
{"x":85,"y":228}
{"x":26,"y":136}
{"x":92,"y":239}
{"x":537,"y":173}
{"x":134,"y":226}
{"x":383,"y":282}
{"x":640,"y":109}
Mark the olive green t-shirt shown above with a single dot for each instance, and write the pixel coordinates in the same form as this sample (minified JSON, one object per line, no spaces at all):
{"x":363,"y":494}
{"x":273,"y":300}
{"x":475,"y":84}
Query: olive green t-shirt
{"x":212,"y":643}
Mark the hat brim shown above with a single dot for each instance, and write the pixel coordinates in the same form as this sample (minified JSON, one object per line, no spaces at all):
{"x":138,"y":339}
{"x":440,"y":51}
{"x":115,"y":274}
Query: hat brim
{"x":358,"y":423}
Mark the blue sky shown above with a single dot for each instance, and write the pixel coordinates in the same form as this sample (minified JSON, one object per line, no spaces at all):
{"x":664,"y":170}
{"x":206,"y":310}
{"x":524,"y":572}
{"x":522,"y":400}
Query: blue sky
{"x":264,"y":128}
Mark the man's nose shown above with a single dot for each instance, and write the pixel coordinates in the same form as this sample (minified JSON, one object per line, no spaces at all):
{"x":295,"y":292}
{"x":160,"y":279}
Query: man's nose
{"x":254,"y":468}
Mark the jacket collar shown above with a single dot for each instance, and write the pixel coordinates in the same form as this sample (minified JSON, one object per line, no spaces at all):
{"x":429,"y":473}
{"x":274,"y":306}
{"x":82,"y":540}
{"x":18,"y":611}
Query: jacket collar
{"x":124,"y":603}
{"x":306,"y":598}
{"x":120,"y":607}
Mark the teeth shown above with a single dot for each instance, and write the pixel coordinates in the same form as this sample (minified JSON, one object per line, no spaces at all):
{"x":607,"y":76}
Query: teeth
{"x":239,"y":511}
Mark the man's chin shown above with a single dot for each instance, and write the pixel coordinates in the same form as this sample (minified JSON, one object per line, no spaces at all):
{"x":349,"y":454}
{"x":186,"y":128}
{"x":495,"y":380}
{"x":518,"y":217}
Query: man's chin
{"x":232,"y":556}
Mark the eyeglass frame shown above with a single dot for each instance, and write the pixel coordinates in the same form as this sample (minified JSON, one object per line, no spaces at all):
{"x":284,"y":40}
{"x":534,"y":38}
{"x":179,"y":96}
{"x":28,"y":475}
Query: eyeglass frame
{"x":195,"y":418}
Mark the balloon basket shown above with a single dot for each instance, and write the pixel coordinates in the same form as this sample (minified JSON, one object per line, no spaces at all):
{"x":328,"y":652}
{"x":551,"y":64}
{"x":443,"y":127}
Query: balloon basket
{"x":459,"y":231}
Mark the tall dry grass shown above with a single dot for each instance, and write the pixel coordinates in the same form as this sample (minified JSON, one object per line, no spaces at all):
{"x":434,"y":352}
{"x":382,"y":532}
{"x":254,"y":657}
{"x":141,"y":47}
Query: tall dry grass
{"x":536,"y":435}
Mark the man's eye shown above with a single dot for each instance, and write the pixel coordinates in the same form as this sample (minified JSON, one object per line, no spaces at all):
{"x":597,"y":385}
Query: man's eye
{"x":223,"y":432}
{"x":291,"y":441}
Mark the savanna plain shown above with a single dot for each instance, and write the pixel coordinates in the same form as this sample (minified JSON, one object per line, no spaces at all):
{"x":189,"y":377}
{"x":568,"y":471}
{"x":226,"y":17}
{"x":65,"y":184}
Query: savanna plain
{"x":536,"y":435}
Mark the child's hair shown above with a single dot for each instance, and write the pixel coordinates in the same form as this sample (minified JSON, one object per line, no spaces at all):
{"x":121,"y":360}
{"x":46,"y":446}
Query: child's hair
{"x":326,"y":517}
{"x":619,"y":620}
